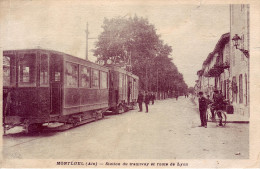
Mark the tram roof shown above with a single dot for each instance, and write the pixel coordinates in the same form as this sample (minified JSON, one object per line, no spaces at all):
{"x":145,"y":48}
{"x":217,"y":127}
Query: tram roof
{"x":66,"y":57}
{"x":69,"y":57}
{"x":121,"y":70}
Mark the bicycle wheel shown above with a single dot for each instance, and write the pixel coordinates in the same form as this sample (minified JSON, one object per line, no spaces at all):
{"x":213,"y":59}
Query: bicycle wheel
{"x":224,"y":118}
{"x":220,"y":118}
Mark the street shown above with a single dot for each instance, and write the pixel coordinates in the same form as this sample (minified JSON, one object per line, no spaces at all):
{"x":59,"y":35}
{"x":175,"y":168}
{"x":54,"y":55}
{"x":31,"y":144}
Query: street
{"x":169,"y":131}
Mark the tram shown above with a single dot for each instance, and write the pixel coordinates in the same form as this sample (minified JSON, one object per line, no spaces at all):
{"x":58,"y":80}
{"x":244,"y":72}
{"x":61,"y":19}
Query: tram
{"x":44,"y":86}
{"x":123,"y":89}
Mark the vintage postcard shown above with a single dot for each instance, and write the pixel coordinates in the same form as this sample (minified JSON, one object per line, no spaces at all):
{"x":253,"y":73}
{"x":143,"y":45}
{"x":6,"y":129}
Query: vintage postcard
{"x":129,"y":84}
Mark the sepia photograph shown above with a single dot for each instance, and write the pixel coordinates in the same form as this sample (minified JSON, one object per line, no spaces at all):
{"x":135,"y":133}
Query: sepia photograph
{"x":129,"y":84}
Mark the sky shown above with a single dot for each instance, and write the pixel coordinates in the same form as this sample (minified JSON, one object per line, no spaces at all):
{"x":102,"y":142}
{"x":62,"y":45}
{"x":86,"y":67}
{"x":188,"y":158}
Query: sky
{"x":192,"y":30}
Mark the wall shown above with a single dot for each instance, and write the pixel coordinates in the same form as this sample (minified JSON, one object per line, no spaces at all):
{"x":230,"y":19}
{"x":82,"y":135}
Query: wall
{"x":239,"y":24}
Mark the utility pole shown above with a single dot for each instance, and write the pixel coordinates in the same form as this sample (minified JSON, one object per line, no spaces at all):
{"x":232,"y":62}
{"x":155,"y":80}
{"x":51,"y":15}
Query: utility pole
{"x":87,"y":38}
{"x":87,"y":42}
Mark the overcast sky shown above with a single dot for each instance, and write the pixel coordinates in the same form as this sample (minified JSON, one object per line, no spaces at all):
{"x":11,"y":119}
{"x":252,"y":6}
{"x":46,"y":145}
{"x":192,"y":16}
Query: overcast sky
{"x":191,"y":30}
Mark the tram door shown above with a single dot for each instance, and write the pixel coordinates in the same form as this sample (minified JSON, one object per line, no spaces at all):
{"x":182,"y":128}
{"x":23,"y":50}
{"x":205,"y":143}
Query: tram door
{"x":55,"y":83}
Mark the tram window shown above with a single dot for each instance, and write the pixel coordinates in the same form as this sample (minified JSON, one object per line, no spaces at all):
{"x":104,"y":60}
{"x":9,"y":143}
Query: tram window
{"x":103,"y":78}
{"x":9,"y":71}
{"x":44,"y":71}
{"x":56,"y":64}
{"x":95,"y":78}
{"x":71,"y":75}
{"x":27,"y":70}
{"x":84,"y":77}
{"x":57,"y":77}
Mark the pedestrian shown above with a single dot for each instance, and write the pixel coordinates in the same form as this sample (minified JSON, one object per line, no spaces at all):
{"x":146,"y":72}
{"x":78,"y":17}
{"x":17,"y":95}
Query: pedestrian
{"x":150,"y":97}
{"x":146,"y":101}
{"x":140,"y":101}
{"x":203,"y":105}
{"x":153,"y":98}
{"x":218,"y":105}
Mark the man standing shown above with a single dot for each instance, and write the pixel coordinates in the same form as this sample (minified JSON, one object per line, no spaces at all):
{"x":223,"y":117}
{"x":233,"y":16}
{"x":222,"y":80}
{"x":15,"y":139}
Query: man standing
{"x":146,"y":101}
{"x":140,"y":101}
{"x":203,"y":109}
{"x":214,"y":105}
{"x":218,"y":105}
{"x":153,"y":98}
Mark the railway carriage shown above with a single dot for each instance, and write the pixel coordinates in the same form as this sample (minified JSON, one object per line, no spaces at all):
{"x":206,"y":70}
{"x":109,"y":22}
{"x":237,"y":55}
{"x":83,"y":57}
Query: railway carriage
{"x":123,"y":89}
{"x":42,"y":86}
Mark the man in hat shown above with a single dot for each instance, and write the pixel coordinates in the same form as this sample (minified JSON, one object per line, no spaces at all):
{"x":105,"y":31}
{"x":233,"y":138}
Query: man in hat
{"x":140,"y":101}
{"x":153,"y":98}
{"x":147,"y":100}
{"x":203,"y":105}
{"x":218,"y":104}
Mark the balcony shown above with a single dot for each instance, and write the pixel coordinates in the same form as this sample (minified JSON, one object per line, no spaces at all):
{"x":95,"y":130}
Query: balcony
{"x":200,"y":72}
{"x":216,"y":70}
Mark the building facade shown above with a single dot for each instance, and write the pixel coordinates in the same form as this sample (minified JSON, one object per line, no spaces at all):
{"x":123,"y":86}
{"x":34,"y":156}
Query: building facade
{"x":227,"y":67}
{"x":239,"y":25}
{"x":215,"y":71}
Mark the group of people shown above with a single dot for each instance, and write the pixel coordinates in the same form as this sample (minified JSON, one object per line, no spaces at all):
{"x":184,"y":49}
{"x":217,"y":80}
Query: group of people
{"x":217,"y":104}
{"x":146,"y":98}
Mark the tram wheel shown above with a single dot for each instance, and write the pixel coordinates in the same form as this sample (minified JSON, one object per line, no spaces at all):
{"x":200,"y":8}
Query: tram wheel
{"x":120,"y":109}
{"x":35,"y":127}
{"x":125,"y":108}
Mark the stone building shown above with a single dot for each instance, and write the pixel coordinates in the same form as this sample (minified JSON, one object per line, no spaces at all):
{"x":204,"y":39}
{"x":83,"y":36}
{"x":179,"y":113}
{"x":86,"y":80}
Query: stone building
{"x":239,"y":63}
{"x":215,"y":69}
{"x":227,"y":67}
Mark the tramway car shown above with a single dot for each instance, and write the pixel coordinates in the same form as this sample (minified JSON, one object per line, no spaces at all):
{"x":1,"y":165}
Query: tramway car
{"x":43,"y":86}
{"x":123,"y":89}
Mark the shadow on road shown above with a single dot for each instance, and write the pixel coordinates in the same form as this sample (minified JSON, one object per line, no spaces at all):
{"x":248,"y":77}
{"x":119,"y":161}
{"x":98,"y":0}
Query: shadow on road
{"x":44,"y":133}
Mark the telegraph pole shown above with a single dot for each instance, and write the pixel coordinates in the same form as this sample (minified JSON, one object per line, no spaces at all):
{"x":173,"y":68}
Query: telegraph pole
{"x":87,"y":42}
{"x":87,"y":38}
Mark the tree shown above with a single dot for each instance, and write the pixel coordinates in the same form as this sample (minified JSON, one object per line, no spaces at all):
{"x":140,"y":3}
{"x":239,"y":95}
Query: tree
{"x":124,"y":40}
{"x":134,"y":41}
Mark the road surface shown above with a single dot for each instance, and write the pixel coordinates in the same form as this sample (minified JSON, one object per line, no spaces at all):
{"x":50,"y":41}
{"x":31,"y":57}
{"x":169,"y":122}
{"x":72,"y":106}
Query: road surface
{"x":169,"y":131}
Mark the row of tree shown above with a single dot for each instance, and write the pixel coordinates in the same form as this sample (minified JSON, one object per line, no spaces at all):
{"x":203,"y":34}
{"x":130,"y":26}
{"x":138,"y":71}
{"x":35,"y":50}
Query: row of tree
{"x":133,"y":42}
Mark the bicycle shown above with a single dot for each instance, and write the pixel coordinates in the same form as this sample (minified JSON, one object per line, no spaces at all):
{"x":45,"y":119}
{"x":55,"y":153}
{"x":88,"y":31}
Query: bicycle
{"x":219,"y":116}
